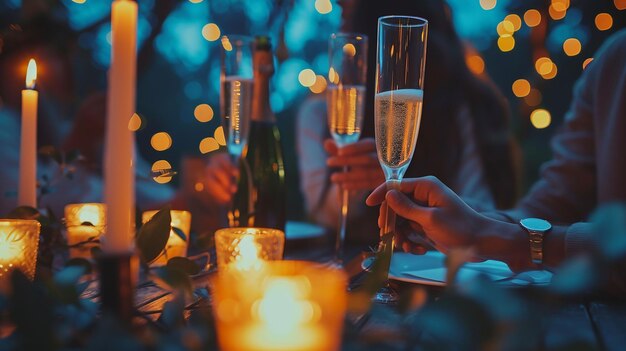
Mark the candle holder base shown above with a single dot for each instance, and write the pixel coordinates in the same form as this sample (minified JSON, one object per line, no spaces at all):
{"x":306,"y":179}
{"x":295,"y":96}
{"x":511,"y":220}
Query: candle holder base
{"x":118,"y":277}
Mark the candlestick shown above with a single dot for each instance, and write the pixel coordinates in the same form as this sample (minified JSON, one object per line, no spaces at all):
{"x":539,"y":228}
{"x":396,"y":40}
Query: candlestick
{"x":176,"y":246}
{"x":27,"y":193}
{"x":75,"y":216}
{"x":19,"y":240}
{"x":119,"y":176}
{"x":286,"y":305}
{"x":246,"y":248}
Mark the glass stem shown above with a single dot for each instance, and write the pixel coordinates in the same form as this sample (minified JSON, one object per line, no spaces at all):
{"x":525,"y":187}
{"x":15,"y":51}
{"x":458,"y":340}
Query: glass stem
{"x":343,"y":223}
{"x":390,"y":216}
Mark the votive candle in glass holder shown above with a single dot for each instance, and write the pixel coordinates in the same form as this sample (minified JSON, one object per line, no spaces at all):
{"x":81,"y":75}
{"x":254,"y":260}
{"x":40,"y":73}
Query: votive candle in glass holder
{"x":247,"y":248}
{"x":176,"y":246}
{"x":82,"y":237}
{"x":285,"y":305}
{"x":19,"y":240}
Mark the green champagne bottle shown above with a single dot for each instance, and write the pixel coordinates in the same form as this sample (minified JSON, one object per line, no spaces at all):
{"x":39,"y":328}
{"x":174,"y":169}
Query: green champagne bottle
{"x":261,"y":191}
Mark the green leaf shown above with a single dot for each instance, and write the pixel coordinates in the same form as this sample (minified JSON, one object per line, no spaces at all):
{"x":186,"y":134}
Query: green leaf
{"x":172,"y":315}
{"x":380,"y":269}
{"x":154,"y":234}
{"x":80,"y":262}
{"x":172,"y":279}
{"x":184,"y":264}
{"x":24,"y":212}
{"x":180,"y":233}
{"x":69,"y":275}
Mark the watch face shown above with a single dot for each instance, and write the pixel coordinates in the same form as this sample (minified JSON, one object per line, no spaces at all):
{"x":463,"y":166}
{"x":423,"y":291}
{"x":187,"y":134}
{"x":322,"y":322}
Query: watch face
{"x":536,"y":224}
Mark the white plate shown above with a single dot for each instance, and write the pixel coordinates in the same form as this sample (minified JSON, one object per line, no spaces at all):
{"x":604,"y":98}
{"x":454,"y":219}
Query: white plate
{"x":429,"y":269}
{"x":302,"y":230}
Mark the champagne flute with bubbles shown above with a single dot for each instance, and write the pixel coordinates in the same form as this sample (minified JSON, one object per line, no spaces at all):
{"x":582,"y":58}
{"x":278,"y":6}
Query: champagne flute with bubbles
{"x":236,"y":92}
{"x":400,"y":63}
{"x":345,"y":98}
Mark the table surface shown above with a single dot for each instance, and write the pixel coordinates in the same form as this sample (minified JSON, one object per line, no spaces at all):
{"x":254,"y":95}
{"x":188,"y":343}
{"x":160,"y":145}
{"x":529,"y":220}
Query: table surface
{"x":590,"y":322}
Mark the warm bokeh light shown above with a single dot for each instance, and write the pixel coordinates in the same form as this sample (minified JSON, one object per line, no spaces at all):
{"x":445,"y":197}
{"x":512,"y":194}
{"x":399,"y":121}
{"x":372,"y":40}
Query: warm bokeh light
{"x":604,"y":21}
{"x":488,"y":4}
{"x":560,"y":5}
{"x":323,"y":6}
{"x":505,"y":28}
{"x":349,"y":49}
{"x":543,"y":65}
{"x":211,"y":32}
{"x":319,"y":86}
{"x":555,"y":14}
{"x":226,"y":44}
{"x":506,"y":43}
{"x":31,"y":74}
{"x":515,"y":20}
{"x":532,"y":18}
{"x":620,"y":4}
{"x":572,"y":47}
{"x":208,"y":145}
{"x":540,"y":118}
{"x":521,"y":88}
{"x":199,"y":187}
{"x":134,"y":123}
{"x":307,"y":77}
{"x":533,"y":98}
{"x":161,"y":141}
{"x":552,"y":72}
{"x":475,"y":63}
{"x":203,"y":113}
{"x":164,"y":167}
{"x":587,"y":62}
{"x":219,"y":136}
{"x":333,"y":77}
{"x":79,"y":1}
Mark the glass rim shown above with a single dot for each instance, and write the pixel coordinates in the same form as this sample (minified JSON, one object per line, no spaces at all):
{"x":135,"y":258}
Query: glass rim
{"x":255,"y":231}
{"x":351,"y":35}
{"x":421,"y":22}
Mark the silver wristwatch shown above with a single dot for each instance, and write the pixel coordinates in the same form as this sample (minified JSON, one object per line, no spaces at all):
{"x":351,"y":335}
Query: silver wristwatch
{"x":536,"y":229}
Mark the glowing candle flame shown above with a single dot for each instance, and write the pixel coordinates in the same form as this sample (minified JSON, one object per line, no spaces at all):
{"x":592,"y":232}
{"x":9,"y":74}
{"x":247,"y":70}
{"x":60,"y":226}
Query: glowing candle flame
{"x":89,"y":213}
{"x":248,"y":257}
{"x":31,"y":74}
{"x":284,"y":306}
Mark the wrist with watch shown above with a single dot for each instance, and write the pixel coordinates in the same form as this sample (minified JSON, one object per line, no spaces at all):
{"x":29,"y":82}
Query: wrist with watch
{"x":537,"y":230}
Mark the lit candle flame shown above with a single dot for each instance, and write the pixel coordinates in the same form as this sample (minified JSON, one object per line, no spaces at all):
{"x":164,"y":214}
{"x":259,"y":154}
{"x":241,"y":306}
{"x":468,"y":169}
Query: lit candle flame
{"x":31,"y":74}
{"x":248,"y":257}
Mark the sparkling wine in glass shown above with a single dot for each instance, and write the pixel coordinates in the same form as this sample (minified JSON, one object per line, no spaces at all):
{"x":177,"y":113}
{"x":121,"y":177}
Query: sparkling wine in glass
{"x":236,"y":92}
{"x":400,"y":63}
{"x":345,"y":99}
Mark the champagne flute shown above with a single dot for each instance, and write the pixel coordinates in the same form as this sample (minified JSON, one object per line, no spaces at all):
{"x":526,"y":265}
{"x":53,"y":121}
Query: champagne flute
{"x":400,"y":63}
{"x":236,"y":92}
{"x":345,"y":98}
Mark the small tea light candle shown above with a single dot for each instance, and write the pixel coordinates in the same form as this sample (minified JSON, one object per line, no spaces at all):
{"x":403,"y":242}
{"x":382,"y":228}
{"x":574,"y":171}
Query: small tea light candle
{"x":19,"y":240}
{"x":176,"y":246}
{"x":247,"y":248}
{"x":76,"y":216}
{"x":285,"y":305}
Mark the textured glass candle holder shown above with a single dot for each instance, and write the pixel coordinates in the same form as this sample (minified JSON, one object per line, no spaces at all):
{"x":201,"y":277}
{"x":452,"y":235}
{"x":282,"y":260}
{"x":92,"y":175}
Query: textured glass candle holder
{"x":246,"y":248}
{"x":285,"y":305}
{"x":19,"y":240}
{"x":176,"y":246}
{"x":82,"y":237}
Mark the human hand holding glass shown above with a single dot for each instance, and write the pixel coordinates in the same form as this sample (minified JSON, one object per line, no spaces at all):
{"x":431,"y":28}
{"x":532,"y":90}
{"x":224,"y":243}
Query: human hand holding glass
{"x":400,"y":63}
{"x":345,"y":98}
